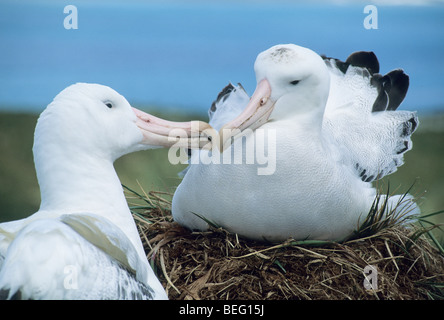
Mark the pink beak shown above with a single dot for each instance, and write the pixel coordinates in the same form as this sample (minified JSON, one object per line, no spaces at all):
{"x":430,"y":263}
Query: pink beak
{"x":160,"y":132}
{"x":255,"y":114}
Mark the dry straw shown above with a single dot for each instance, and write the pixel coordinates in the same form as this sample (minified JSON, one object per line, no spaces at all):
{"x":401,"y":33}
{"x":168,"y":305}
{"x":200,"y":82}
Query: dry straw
{"x":219,"y":265}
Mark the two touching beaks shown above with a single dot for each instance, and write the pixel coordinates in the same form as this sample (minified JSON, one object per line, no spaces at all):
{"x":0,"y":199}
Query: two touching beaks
{"x":199,"y":134}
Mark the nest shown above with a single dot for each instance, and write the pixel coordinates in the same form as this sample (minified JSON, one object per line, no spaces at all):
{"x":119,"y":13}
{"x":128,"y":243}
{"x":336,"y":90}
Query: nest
{"x":393,"y":262}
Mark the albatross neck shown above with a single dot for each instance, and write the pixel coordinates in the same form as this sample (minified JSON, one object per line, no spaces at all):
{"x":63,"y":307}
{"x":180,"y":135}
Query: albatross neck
{"x":304,"y":114}
{"x":76,"y":182}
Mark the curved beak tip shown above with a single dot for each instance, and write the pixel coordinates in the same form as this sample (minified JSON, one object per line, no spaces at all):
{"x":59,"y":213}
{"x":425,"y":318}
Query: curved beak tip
{"x":255,"y":114}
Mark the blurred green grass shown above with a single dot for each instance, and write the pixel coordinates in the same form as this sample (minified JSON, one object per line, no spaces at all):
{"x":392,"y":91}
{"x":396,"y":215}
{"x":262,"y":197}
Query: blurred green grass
{"x":20,"y":197}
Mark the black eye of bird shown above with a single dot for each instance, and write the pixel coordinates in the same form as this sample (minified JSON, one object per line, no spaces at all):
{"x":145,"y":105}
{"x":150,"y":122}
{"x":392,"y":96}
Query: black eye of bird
{"x":109,"y":104}
{"x":294,"y":82}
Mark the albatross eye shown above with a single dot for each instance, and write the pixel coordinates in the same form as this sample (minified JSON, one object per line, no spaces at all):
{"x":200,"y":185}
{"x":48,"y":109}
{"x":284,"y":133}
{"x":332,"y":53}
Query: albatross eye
{"x":294,"y":82}
{"x":108,"y":104}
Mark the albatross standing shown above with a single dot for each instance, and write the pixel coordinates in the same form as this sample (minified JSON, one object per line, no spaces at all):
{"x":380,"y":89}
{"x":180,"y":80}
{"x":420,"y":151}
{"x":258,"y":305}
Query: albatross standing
{"x":336,"y":129}
{"x":83,"y":242}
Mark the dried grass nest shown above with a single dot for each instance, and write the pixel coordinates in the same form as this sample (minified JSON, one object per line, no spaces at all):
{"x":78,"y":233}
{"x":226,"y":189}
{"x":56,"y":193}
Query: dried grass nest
{"x":217,"y":265}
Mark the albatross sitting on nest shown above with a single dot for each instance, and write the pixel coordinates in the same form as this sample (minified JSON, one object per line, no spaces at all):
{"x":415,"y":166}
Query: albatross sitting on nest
{"x":83,"y":242}
{"x":336,"y":130}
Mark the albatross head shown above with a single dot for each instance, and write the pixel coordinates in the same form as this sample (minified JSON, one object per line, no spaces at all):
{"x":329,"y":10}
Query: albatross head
{"x":291,"y":81}
{"x":298,"y":78}
{"x":95,"y":119}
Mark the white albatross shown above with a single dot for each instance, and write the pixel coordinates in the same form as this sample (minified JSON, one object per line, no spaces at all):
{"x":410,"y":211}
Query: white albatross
{"x":83,"y":242}
{"x":336,"y":129}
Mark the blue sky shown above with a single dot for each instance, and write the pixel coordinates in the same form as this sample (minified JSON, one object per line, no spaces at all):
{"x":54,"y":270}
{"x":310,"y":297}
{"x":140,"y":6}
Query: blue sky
{"x":178,"y":54}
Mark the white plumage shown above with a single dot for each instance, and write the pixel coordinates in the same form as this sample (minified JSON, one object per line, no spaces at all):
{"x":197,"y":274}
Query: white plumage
{"x":336,"y":130}
{"x":83,"y":242}
{"x":374,"y":140}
